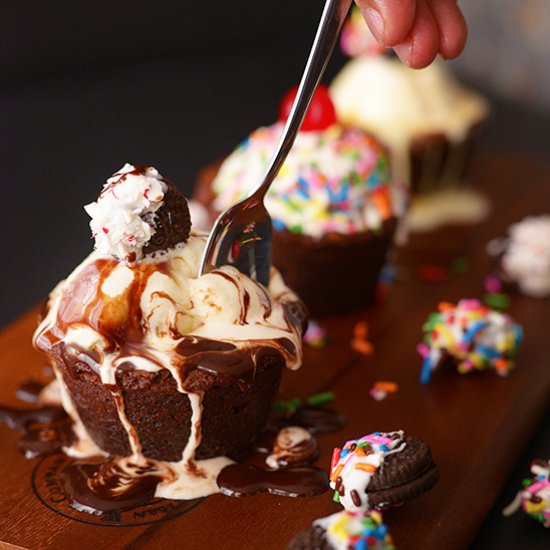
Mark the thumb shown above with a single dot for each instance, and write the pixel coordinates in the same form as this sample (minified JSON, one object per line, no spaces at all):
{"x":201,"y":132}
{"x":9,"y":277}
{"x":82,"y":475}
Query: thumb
{"x":389,"y":20}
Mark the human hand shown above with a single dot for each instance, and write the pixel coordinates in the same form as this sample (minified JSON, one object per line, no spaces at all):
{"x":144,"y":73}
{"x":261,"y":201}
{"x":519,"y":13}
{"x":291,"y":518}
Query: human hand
{"x":417,"y":29}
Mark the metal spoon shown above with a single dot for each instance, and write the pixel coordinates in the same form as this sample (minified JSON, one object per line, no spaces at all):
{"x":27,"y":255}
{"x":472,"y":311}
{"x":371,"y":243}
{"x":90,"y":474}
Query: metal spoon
{"x":242,"y":235}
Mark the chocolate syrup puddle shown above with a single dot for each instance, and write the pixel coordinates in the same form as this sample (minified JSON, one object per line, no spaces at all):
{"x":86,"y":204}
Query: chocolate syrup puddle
{"x":240,"y":480}
{"x":98,"y":486}
{"x":296,"y":479}
{"x":45,"y":439}
{"x":45,"y":430}
{"x":20,"y":419}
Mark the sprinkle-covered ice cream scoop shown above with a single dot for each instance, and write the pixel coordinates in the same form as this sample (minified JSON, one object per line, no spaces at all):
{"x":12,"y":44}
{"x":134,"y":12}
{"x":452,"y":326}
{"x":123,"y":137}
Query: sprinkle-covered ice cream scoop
{"x":137,"y":213}
{"x":474,"y":336}
{"x":336,"y":179}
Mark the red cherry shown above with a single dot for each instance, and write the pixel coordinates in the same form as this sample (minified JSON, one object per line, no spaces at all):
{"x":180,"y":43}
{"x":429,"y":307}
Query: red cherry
{"x":321,"y":113}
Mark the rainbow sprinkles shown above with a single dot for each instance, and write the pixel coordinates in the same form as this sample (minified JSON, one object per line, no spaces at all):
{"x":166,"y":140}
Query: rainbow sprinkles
{"x":336,"y":180}
{"x":356,"y":530}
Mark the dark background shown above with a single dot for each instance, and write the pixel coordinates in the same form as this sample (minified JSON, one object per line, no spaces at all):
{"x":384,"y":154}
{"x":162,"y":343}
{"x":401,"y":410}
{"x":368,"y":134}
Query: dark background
{"x":86,"y":86}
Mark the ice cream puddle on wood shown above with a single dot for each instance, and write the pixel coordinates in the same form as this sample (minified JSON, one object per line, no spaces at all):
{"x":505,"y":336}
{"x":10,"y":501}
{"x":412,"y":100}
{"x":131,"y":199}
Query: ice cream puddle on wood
{"x":162,"y":376}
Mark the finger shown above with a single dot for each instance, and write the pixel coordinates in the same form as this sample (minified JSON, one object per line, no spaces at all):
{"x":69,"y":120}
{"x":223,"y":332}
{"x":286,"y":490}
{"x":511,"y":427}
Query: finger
{"x":453,"y":30}
{"x":421,"y":45}
{"x":389,"y":20}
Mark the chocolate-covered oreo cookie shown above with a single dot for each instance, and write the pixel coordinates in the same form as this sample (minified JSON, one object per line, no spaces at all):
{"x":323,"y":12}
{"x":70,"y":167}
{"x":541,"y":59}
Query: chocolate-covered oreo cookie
{"x":137,"y":213}
{"x":172,"y":222}
{"x":381,"y":470}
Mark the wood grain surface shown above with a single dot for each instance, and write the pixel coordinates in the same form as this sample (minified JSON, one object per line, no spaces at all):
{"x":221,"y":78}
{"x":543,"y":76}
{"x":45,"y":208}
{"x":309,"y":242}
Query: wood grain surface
{"x":476,"y":425}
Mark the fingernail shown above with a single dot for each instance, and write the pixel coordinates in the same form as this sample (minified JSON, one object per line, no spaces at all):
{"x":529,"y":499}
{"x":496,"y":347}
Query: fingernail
{"x":403,"y":51}
{"x":375,"y":23}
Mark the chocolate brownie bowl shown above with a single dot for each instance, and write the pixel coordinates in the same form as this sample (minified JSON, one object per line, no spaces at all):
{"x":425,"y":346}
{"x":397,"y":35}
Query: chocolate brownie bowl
{"x":153,"y":361}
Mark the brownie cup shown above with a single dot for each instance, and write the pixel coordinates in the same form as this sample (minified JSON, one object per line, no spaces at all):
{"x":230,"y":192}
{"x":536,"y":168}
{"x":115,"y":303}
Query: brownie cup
{"x":234,"y":410}
{"x":333,"y":206}
{"x":324,"y":265}
{"x":155,"y":361}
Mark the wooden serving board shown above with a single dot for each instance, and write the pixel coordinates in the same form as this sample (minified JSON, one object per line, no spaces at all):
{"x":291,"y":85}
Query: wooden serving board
{"x":476,"y":425}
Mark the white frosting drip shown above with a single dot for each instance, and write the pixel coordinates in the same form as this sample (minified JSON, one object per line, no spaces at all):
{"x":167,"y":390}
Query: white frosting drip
{"x":527,"y":257}
{"x":193,"y":478}
{"x":51,"y":394}
{"x":195,"y":400}
{"x":397,"y":104}
{"x":123,"y":215}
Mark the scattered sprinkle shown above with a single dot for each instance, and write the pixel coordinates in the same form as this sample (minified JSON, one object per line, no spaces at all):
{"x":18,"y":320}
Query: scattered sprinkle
{"x":493,"y":284}
{"x":316,"y":336}
{"x":381,"y":389}
{"x":315,"y":400}
{"x":386,"y":385}
{"x":460,"y":265}
{"x":496,"y":300}
{"x":287,"y":406}
{"x":359,"y":341}
{"x":385,"y":280}
{"x":320,"y":398}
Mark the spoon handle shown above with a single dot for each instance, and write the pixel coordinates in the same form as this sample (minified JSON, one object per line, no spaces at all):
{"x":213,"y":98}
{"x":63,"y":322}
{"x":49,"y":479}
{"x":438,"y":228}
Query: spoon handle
{"x":332,"y":20}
